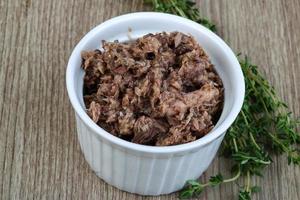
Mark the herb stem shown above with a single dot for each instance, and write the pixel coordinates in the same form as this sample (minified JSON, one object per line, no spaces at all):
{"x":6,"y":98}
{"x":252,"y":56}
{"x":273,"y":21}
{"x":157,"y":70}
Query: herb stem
{"x":250,"y":133}
{"x":264,"y":162}
{"x":248,"y":182}
{"x":275,"y":139}
{"x":235,"y":145}
{"x":253,"y":140}
{"x":238,"y":174}
{"x":206,"y":184}
{"x":179,"y":11}
{"x":245,"y":118}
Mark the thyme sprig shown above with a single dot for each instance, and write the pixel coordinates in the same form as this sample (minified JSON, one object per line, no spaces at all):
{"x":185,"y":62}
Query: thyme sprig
{"x":182,"y":8}
{"x":263,"y":128}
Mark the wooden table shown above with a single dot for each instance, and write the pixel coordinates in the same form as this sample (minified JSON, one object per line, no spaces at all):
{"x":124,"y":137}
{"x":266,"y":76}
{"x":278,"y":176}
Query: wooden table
{"x":40,"y":157}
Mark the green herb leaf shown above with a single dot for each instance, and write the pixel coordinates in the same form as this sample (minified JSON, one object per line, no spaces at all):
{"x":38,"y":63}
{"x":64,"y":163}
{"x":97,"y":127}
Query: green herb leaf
{"x":244,"y":195}
{"x":216,"y":180}
{"x":192,"y":188}
{"x":255,"y":189}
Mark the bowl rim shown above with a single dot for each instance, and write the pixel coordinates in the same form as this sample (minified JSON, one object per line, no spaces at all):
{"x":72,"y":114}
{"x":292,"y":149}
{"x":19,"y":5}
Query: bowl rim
{"x":213,"y":135}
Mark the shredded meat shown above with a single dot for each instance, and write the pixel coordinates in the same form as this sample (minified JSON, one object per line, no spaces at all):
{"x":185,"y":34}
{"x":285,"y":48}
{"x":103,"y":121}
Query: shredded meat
{"x":160,"y":89}
{"x":147,"y":129}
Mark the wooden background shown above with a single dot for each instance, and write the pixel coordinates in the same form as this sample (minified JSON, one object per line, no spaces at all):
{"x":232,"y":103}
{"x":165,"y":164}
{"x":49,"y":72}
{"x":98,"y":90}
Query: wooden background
{"x":40,"y":157}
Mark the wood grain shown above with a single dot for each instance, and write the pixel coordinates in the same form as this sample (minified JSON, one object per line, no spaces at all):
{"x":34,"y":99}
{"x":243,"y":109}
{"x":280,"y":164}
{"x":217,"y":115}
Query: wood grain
{"x":40,"y":157}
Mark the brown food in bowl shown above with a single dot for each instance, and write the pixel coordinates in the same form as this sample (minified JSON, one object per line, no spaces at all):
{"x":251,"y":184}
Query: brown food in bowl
{"x":158,"y":90}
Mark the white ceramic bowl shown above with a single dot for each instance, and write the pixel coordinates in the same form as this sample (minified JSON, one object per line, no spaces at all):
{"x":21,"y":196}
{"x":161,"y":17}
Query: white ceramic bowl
{"x":150,"y":170}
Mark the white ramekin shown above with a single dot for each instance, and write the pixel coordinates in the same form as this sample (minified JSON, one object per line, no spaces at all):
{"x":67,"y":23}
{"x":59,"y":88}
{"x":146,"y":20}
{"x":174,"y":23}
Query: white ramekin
{"x":144,"y":169}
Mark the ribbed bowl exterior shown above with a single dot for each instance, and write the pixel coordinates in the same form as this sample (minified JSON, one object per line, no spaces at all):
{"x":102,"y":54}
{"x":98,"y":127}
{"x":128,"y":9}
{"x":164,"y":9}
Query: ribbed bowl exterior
{"x":137,"y":168}
{"x":145,"y":174}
